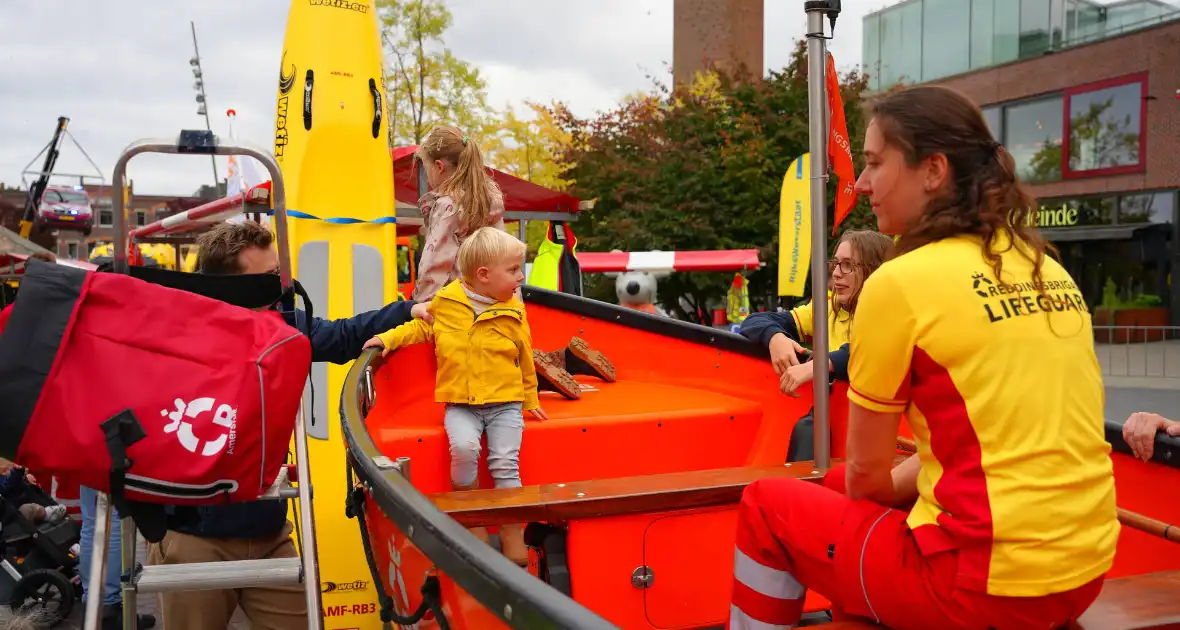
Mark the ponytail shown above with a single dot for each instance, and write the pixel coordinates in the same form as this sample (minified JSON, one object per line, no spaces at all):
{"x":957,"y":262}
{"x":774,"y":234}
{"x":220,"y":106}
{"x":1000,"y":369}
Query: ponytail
{"x":469,"y":184}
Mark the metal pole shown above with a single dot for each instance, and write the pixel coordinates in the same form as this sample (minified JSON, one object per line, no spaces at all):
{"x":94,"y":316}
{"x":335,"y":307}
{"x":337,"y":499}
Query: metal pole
{"x":205,"y":103}
{"x":817,"y":103}
{"x":98,"y":562}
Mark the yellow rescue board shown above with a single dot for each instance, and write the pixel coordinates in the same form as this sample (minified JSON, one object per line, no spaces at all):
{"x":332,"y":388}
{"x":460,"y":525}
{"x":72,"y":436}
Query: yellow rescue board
{"x":331,"y":141}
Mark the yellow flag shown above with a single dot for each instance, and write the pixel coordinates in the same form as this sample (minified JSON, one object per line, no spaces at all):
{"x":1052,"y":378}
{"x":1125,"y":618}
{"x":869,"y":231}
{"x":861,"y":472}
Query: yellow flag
{"x":794,"y":228}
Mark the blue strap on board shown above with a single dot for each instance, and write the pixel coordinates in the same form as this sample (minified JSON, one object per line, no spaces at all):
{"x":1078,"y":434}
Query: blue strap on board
{"x":337,"y":220}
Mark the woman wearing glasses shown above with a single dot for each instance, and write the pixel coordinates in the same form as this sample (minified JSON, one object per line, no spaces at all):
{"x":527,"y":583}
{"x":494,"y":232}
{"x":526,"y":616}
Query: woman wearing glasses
{"x":859,"y":254}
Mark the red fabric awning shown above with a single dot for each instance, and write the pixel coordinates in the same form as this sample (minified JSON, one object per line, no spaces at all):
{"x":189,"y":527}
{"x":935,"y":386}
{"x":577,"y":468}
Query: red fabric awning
{"x":519,"y":195}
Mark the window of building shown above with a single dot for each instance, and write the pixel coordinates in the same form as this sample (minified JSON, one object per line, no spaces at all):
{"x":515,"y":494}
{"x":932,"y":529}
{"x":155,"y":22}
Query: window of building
{"x":1106,"y":127}
{"x":1032,"y":134}
{"x":946,"y":38}
{"x":72,"y":250}
{"x":106,"y":218}
{"x":1005,"y":31}
{"x":982,"y":32}
{"x":1157,"y":207}
{"x":871,"y":41}
{"x":140,"y":218}
{"x":901,"y":45}
{"x":994,"y":116}
{"x":1034,"y":27}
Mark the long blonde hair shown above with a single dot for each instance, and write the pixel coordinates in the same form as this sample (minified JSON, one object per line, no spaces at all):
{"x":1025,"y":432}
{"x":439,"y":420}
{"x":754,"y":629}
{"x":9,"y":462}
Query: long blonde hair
{"x":469,"y":184}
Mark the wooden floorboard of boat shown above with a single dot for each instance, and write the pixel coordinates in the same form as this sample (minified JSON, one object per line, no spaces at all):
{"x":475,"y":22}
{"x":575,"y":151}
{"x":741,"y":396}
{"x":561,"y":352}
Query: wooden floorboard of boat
{"x":1151,"y":600}
{"x":603,"y":497}
{"x":1135,"y":602}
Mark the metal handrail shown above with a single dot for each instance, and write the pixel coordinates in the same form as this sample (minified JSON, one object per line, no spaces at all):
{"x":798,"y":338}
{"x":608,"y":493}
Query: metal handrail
{"x":213,"y":147}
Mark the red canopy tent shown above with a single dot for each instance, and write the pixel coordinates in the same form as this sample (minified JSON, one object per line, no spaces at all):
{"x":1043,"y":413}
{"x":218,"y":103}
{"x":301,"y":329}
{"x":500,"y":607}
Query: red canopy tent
{"x":519,"y":195}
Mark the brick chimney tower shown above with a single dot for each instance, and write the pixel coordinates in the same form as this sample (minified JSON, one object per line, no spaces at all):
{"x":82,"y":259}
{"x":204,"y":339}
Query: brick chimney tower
{"x":725,"y":32}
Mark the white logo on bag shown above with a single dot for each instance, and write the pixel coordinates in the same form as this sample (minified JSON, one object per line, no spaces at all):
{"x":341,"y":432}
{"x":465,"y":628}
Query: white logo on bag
{"x":223,"y":417}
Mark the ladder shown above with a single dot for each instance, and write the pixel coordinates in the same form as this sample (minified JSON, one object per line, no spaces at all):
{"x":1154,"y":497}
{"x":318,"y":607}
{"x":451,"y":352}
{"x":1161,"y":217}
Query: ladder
{"x":148,"y":580}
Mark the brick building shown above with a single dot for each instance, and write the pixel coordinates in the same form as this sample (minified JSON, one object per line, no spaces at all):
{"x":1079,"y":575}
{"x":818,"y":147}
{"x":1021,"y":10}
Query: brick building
{"x":1086,"y":98}
{"x":144,"y":209}
{"x":727,"y":33}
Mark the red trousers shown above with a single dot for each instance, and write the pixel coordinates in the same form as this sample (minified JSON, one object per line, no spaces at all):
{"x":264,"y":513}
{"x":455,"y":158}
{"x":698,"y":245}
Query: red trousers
{"x":793,"y":535}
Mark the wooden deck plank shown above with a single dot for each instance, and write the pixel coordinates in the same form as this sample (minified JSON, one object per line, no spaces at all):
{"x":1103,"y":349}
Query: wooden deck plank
{"x":603,"y":497}
{"x":1151,"y":600}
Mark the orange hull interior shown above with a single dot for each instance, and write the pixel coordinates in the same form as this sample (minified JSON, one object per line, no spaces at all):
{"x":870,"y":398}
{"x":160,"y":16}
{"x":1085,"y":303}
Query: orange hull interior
{"x":677,"y":406}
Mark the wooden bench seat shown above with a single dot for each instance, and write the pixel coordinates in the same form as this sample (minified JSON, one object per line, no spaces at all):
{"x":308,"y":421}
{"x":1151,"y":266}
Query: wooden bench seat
{"x":1151,"y":600}
{"x":602,"y":497}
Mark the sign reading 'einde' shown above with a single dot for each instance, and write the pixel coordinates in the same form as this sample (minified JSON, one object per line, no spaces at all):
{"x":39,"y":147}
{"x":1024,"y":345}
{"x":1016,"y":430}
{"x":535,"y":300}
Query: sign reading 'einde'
{"x":1046,"y":217}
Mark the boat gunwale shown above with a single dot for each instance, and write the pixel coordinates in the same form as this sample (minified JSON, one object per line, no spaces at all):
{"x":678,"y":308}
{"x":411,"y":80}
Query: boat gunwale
{"x":490,"y":578}
{"x":1166,"y":451}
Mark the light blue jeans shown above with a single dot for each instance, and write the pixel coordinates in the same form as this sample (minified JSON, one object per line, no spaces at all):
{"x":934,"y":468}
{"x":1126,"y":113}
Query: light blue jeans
{"x":112,"y":590}
{"x":504,"y":424}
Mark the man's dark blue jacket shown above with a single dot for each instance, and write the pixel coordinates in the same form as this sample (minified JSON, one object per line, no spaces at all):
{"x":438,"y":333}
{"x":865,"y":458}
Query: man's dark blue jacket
{"x":337,"y":341}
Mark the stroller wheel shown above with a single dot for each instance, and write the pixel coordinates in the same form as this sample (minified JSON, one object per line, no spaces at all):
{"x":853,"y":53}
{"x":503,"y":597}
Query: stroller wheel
{"x":45,"y":595}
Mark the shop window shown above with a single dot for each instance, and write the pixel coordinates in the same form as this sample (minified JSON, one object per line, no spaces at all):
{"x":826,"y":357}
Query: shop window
{"x":1157,"y":207}
{"x":1032,"y":134}
{"x":1106,"y":127}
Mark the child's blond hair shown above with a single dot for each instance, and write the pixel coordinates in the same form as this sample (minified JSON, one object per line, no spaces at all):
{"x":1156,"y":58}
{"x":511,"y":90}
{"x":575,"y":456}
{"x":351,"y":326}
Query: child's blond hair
{"x":488,"y":246}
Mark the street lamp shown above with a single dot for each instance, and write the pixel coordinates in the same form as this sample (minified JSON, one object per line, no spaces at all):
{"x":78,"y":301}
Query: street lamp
{"x":199,"y":87}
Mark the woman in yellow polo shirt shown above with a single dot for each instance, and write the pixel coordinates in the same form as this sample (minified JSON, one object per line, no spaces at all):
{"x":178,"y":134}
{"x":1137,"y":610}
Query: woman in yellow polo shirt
{"x":983,"y":341}
{"x":858,"y":254}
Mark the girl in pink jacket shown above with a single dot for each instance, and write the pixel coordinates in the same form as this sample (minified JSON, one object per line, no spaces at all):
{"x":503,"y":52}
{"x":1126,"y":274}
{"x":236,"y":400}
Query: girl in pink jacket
{"x":462,"y":199}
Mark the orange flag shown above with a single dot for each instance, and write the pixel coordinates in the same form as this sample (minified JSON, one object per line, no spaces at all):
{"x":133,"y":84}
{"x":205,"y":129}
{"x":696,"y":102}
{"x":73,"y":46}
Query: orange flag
{"x":839,"y":149}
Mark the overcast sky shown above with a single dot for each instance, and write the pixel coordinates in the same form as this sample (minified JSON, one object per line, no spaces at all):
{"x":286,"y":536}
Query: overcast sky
{"x":119,"y":68}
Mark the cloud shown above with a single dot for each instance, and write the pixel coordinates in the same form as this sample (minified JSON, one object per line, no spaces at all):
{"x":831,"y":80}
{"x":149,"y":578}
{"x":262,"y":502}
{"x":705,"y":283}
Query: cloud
{"x":119,"y":69}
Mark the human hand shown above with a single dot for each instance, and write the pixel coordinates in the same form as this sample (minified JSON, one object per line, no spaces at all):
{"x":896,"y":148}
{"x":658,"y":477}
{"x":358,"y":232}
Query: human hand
{"x":784,"y":352}
{"x":376,"y":342}
{"x":1140,"y":429}
{"x":539,"y":413}
{"x":421,"y":311}
{"x":795,"y":377}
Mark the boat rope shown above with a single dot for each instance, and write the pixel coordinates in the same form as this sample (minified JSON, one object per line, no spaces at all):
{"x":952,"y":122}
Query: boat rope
{"x":431,"y":589}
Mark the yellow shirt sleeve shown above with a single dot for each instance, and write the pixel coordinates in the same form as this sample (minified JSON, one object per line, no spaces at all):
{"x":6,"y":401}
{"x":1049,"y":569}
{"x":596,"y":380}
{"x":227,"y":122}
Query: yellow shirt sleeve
{"x":408,"y":334}
{"x":804,"y":318}
{"x":528,"y":370}
{"x":882,"y":345}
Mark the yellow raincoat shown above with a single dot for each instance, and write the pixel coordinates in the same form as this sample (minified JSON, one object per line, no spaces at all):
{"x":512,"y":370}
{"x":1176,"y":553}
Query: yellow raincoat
{"x":481,"y":360}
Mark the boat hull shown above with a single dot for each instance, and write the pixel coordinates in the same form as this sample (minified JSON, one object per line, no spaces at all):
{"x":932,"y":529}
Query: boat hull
{"x":687,"y":398}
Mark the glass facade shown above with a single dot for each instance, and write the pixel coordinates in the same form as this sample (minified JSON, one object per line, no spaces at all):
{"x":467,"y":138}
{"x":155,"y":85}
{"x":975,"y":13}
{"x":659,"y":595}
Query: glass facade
{"x":1087,"y":131}
{"x":1032,"y":134}
{"x":924,"y":40}
{"x":1135,"y":262}
{"x":1106,"y":127}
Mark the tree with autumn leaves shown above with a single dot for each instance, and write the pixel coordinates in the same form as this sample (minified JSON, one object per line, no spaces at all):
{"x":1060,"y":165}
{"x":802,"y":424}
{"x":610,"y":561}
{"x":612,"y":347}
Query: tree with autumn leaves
{"x":687,"y":168}
{"x":698,"y":167}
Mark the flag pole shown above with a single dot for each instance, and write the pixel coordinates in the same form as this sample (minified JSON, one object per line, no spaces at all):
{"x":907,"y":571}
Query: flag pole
{"x":817,"y":115}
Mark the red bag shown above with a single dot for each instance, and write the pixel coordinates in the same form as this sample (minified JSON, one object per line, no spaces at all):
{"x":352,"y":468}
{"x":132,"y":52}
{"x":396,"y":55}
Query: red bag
{"x":181,"y":399}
